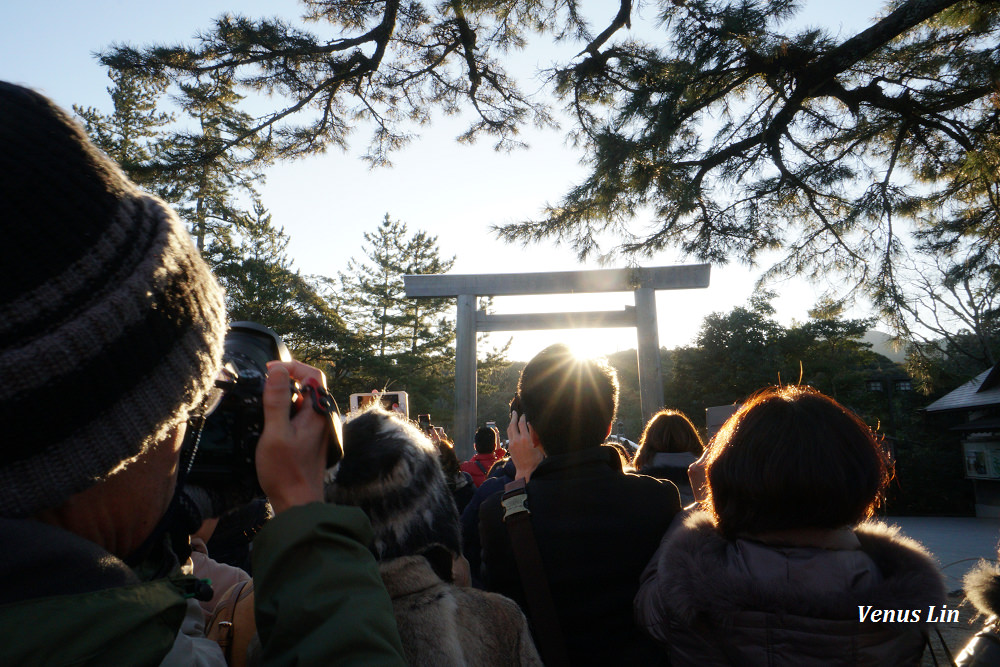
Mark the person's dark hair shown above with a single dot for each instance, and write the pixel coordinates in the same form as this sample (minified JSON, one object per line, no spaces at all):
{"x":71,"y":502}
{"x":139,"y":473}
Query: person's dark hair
{"x":486,"y":440}
{"x":667,"y":431}
{"x":449,"y":459}
{"x":569,"y":401}
{"x":791,"y":458}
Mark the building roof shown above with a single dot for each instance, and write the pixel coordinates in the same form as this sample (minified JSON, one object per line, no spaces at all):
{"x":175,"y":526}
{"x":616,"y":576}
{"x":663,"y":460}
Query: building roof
{"x":986,"y":424}
{"x":981,"y":391}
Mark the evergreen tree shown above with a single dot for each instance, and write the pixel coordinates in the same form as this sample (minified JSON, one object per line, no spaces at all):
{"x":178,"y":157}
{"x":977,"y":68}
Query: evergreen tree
{"x":385,"y":62}
{"x":262,"y":286}
{"x":492,"y":366}
{"x":198,"y":171}
{"x":744,"y":350}
{"x":832,"y":355}
{"x":735,"y":354}
{"x":373,"y":301}
{"x":743,"y":133}
{"x":421,"y":315}
{"x":497,"y":383}
{"x":252,"y":264}
{"x":201,"y":170}
{"x":409,"y":342}
{"x":133,"y":133}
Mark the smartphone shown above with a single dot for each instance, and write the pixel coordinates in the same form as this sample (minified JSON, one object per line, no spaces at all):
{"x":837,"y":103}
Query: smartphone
{"x":424,"y":422}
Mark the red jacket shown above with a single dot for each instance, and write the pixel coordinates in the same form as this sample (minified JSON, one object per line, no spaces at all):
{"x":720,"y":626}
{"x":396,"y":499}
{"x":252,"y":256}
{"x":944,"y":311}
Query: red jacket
{"x":484,"y":460}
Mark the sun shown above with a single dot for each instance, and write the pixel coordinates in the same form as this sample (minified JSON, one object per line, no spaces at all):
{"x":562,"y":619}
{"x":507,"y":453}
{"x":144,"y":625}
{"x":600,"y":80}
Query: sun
{"x":590,"y":343}
{"x":585,"y":349}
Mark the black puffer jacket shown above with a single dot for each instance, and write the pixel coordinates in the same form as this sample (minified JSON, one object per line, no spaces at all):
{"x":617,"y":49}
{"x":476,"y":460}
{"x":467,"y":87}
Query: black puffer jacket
{"x":712,"y":601}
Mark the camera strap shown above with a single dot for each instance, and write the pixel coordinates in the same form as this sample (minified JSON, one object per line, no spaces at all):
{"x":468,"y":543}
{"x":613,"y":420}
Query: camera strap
{"x":544,"y":619}
{"x":325,"y":404}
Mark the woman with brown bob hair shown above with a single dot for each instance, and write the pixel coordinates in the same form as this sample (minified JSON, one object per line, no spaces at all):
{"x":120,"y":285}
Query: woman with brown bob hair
{"x":782,"y":565}
{"x":669,"y":444}
{"x":793,"y":458}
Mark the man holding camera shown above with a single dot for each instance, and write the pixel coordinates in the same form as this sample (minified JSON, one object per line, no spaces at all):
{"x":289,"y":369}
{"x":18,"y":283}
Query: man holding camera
{"x":111,"y":333}
{"x":595,"y":526}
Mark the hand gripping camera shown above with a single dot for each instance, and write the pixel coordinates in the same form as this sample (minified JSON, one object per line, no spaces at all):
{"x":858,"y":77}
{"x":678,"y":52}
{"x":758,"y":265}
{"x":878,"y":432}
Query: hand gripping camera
{"x":233,"y":419}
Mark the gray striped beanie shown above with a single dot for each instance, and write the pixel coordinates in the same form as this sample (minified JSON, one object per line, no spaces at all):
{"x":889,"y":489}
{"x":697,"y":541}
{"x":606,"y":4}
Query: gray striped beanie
{"x":111,"y":325}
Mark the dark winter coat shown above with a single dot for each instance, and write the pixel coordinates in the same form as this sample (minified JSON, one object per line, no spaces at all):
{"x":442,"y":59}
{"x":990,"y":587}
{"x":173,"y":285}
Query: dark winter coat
{"x":462,"y":489}
{"x":712,"y":601}
{"x":596,"y":529}
{"x":471,"y":544}
{"x":674,"y":467}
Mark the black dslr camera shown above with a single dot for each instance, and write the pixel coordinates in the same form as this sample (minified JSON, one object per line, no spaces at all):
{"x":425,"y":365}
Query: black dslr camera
{"x":233,"y":420}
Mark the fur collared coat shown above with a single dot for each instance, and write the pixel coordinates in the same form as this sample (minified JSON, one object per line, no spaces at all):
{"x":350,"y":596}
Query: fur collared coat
{"x":713,"y":601}
{"x":444,"y":625}
{"x":982,"y":587}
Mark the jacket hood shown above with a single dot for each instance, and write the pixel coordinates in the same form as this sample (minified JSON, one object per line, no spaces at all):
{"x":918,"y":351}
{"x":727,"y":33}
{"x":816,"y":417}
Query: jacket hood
{"x":704,"y":580}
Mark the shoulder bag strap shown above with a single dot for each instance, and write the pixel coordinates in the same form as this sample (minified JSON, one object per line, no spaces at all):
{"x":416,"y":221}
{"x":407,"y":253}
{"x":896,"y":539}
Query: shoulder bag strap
{"x":548,"y":634}
{"x":221,"y":626}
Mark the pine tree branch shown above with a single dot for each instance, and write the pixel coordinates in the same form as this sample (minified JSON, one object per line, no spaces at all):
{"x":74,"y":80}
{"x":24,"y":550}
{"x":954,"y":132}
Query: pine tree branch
{"x":623,"y":19}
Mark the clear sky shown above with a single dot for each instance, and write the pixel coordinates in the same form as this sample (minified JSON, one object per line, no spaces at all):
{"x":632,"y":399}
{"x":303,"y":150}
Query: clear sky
{"x":325,"y":203}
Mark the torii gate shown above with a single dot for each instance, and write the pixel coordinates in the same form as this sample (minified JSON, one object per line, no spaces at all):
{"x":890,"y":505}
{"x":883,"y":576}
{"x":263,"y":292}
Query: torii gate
{"x":643,"y":282}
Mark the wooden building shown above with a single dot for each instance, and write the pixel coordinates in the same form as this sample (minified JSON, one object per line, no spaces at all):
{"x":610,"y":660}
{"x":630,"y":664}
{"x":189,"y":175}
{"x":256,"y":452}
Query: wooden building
{"x":979,"y":401}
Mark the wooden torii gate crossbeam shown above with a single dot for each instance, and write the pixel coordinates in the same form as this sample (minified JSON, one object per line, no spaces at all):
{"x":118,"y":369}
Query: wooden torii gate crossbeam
{"x":643,"y":282}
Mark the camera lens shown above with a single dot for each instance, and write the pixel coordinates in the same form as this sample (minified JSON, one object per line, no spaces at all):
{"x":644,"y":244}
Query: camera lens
{"x":228,"y":440}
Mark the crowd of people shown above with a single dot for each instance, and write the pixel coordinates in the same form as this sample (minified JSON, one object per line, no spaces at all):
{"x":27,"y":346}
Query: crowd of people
{"x":757,"y":548}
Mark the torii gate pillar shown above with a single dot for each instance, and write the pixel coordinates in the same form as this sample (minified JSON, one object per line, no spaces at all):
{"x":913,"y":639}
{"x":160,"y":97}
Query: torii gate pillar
{"x":465,"y":374}
{"x":648,"y":353}
{"x":643,"y":282}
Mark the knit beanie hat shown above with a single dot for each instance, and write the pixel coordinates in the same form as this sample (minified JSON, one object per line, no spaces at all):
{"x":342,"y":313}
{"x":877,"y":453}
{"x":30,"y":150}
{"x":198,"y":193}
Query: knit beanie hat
{"x":391,"y":471}
{"x":111,"y":325}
